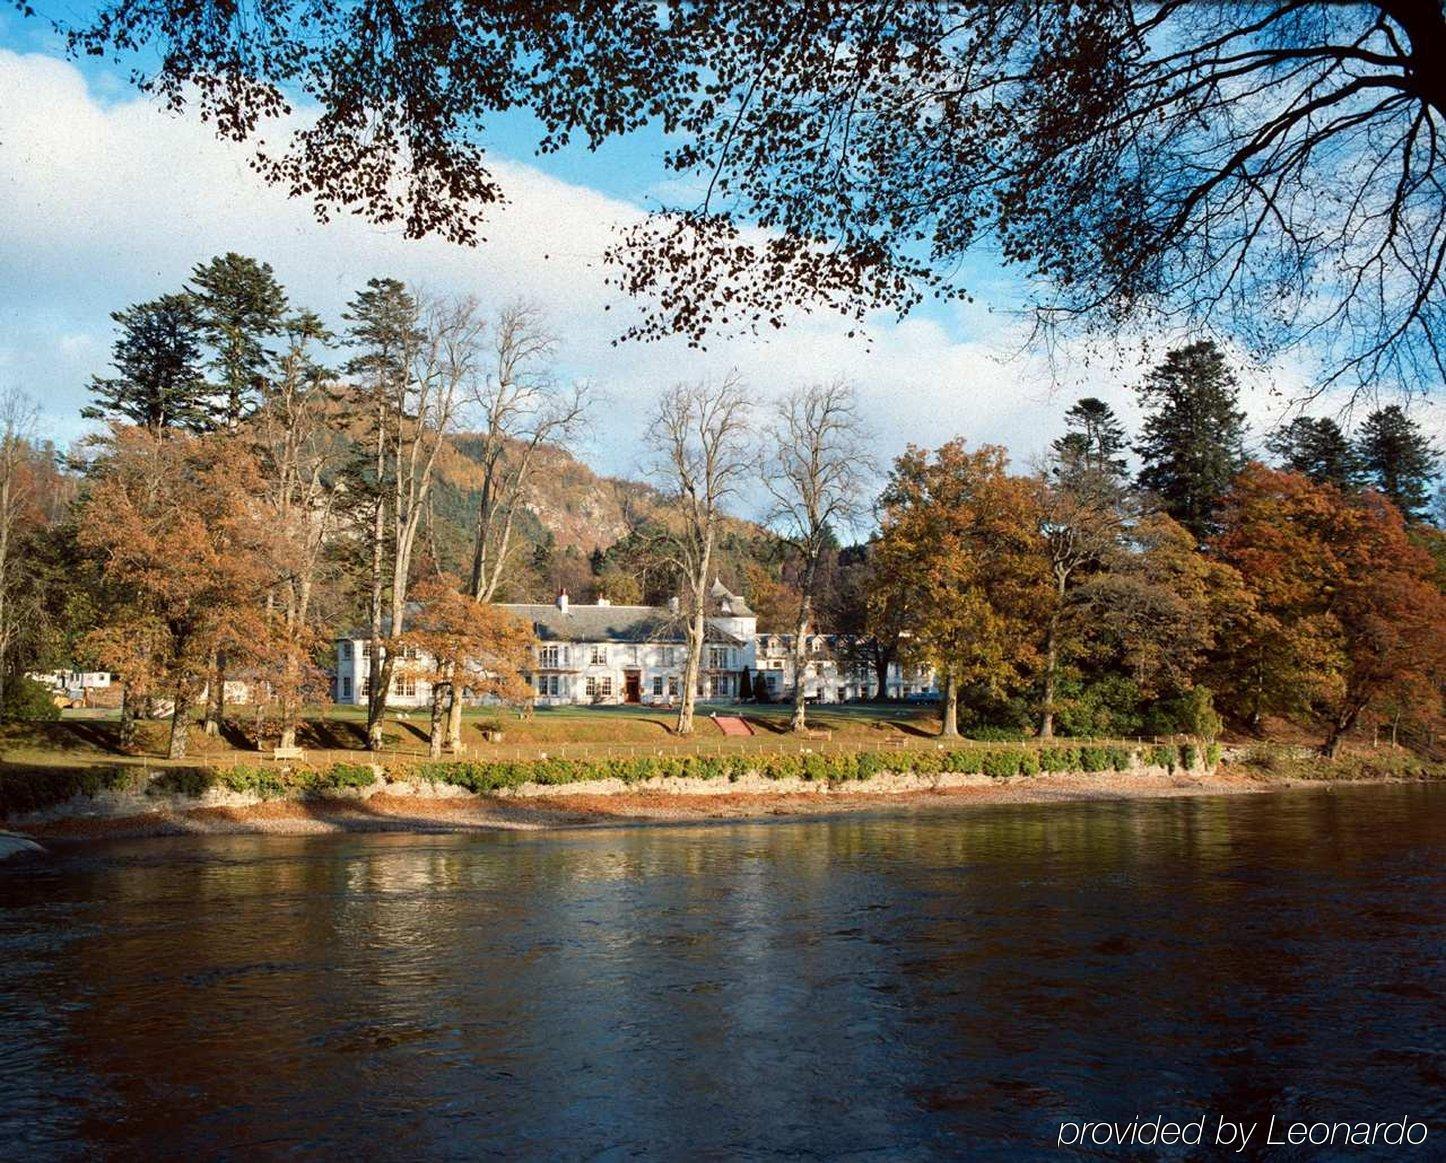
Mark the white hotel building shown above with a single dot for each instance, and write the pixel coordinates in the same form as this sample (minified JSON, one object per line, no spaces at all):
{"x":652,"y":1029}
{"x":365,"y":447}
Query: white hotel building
{"x":606,"y":654}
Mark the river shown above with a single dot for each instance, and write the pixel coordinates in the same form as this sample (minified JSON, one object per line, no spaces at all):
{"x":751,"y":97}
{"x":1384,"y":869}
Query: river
{"x":920,"y":984}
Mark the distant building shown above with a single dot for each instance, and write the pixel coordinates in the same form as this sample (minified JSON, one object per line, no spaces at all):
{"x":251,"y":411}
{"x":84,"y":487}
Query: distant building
{"x":607,"y":654}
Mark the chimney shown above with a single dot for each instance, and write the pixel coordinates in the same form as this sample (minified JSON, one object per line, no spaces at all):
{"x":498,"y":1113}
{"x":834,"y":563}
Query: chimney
{"x":673,"y":604}
{"x":602,"y":601}
{"x":562,"y":600}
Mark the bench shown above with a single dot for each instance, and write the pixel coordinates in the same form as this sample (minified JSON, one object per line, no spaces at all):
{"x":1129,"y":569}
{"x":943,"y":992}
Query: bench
{"x":292,"y":753}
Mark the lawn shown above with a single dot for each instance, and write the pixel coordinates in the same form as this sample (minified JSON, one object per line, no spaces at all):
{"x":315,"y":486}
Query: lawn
{"x":337,"y":734}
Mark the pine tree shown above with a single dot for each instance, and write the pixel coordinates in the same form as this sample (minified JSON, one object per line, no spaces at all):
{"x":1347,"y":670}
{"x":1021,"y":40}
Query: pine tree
{"x":158,"y":357}
{"x":1398,"y":459}
{"x":240,"y":306}
{"x":1317,"y":448}
{"x":1192,"y":441}
{"x":1095,"y":441}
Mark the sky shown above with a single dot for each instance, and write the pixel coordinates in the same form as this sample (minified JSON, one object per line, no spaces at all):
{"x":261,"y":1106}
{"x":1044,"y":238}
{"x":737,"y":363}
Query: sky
{"x":106,"y":200}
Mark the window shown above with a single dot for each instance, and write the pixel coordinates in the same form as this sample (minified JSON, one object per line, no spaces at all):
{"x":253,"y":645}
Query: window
{"x":405,"y":686}
{"x":366,"y":649}
{"x":670,"y":657}
{"x":366,"y":687}
{"x":599,"y":655}
{"x":344,"y":649}
{"x":549,"y":684}
{"x":605,"y":686}
{"x":717,"y":658}
{"x":345,"y":687}
{"x":672,"y":686}
{"x":657,"y":684}
{"x":549,"y":657}
{"x":591,"y":687}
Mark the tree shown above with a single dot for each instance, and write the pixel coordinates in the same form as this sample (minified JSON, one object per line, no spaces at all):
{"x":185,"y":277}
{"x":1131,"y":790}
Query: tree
{"x":300,"y":457}
{"x":1095,"y":441}
{"x":17,"y":482}
{"x":467,"y":643}
{"x":1191,"y":444}
{"x":1398,"y":459}
{"x":1316,"y":447}
{"x":174,"y":522}
{"x":157,"y":356}
{"x":813,"y":464}
{"x":415,"y":361}
{"x":1082,"y":510}
{"x":240,"y":307}
{"x":1140,"y":164}
{"x":1347,"y":608}
{"x":522,"y":409}
{"x":959,"y":543}
{"x":698,"y":439}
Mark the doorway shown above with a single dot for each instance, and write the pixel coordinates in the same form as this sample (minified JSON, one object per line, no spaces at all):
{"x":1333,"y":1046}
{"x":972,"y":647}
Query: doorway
{"x":632,"y":686}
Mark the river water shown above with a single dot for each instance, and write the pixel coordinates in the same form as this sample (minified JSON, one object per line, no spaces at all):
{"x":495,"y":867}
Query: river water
{"x":922,"y":984}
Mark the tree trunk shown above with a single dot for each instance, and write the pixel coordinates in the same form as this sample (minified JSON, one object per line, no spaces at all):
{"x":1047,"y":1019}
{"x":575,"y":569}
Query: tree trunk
{"x":180,"y":726}
{"x":800,"y":665}
{"x":127,"y":719}
{"x":216,"y":694}
{"x":454,"y":719}
{"x":1051,"y":667}
{"x":881,"y":676}
{"x":438,"y":727}
{"x":951,"y":708}
{"x":1340,"y":728}
{"x":691,"y":668}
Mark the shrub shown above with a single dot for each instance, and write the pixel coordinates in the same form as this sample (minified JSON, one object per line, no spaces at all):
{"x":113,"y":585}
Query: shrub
{"x":32,"y":789}
{"x":1001,"y":763}
{"x":1028,"y":762}
{"x":182,"y":781}
{"x":1163,"y":755}
{"x":1212,"y":755}
{"x":1059,"y":759}
{"x":1189,"y":755}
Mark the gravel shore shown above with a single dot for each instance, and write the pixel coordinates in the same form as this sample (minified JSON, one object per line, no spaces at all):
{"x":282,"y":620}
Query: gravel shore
{"x":412,"y":809}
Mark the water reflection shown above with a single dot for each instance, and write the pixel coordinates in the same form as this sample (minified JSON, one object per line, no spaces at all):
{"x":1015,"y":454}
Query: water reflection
{"x":918,"y":984}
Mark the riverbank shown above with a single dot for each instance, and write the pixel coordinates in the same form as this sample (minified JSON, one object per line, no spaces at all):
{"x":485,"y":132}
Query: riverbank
{"x":422,"y":808}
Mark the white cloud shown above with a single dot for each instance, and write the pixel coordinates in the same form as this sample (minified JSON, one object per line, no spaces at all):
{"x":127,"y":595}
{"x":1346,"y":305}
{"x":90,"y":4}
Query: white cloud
{"x":103,"y":203}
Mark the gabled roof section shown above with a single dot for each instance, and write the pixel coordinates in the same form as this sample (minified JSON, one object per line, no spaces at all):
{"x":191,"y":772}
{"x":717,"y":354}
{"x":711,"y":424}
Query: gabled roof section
{"x":600,"y":623}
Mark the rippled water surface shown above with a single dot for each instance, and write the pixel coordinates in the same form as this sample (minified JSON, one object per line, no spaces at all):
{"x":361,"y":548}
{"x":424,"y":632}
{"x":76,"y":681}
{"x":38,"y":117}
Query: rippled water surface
{"x":924,"y":984}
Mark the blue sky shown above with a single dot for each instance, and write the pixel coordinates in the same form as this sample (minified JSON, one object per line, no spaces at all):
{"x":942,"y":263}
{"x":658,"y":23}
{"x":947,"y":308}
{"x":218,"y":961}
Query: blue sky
{"x":106,"y":200}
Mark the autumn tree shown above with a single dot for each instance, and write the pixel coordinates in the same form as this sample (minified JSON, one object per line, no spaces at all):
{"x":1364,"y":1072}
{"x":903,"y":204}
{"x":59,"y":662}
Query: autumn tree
{"x":1192,"y":441}
{"x":959,"y":541}
{"x":159,"y":382}
{"x":1347,"y":607}
{"x":1398,"y":459}
{"x":173,"y":520}
{"x":813,"y":468}
{"x":698,"y":439}
{"x":465,"y":644}
{"x":1315,"y":447}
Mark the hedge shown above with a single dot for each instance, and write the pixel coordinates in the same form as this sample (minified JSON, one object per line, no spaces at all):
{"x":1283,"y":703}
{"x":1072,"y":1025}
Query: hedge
{"x":30,"y":789}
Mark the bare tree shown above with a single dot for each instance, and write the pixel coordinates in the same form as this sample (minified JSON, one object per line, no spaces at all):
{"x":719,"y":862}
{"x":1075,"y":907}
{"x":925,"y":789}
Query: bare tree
{"x":17,"y":423}
{"x":814,"y":465}
{"x":522,"y":408}
{"x":699,"y":441}
{"x":299,"y":454}
{"x":422,"y":356}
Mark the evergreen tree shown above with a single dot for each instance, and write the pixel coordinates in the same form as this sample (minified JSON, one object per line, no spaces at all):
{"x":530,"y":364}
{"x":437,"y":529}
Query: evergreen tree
{"x":1398,"y":459}
{"x":160,"y":384}
{"x":240,"y":306}
{"x":1095,"y":441}
{"x":1192,"y":441}
{"x":1317,"y":448}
